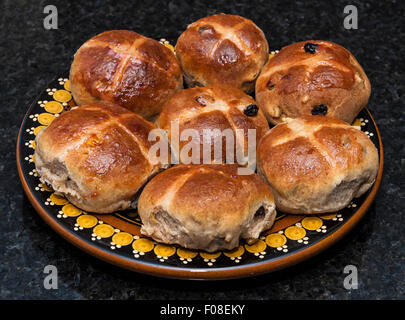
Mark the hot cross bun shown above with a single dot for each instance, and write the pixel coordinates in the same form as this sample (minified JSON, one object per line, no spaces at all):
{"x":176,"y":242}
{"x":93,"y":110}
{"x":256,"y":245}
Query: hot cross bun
{"x":316,"y":164}
{"x":125,"y":68}
{"x":220,"y":108}
{"x":207,"y":207}
{"x":97,"y":156}
{"x":222,"y":48}
{"x":312,"y":77}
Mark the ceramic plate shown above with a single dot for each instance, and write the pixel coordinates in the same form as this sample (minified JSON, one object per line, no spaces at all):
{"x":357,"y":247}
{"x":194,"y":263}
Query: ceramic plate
{"x":116,"y":238}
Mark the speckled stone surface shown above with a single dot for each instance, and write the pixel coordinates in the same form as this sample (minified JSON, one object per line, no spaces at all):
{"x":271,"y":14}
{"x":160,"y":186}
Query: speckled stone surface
{"x":31,"y":56}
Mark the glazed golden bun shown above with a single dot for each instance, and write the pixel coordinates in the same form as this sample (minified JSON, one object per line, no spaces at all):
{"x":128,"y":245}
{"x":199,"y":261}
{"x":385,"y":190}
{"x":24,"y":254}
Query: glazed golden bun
{"x":222,"y":48}
{"x":310,"y":78}
{"x":213,"y":107}
{"x":316,"y":164}
{"x":206,"y":207}
{"x":125,"y":68}
{"x":96,"y":156}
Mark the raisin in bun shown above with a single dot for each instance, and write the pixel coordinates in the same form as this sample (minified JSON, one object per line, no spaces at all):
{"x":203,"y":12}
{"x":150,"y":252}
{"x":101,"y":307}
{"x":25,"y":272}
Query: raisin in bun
{"x":125,"y":68}
{"x":206,"y":207}
{"x":219,"y":108}
{"x":312,"y":77}
{"x":222,"y":48}
{"x":96,"y":155}
{"x":316,"y":164}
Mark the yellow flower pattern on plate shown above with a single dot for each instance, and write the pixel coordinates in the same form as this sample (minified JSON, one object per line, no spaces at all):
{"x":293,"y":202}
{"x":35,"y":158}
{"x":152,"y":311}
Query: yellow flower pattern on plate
{"x":53,"y":107}
{"x":62,"y":96}
{"x":295,"y":233}
{"x":143,"y":245}
{"x":86,"y":221}
{"x":67,"y":85}
{"x":46,"y":118}
{"x":162,"y":250}
{"x":186,"y":254}
{"x":210,"y":256}
{"x":276,"y":240}
{"x":312,"y":223}
{"x":37,"y":129}
{"x":122,"y":238}
{"x":71,"y":211}
{"x":58,"y":200}
{"x":103,"y":230}
{"x":328,"y":216}
{"x":258,"y":246}
{"x":238,"y":252}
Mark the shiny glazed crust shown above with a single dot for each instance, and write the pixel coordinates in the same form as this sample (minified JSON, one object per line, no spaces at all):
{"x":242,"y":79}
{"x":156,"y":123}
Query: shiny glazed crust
{"x":96,"y":155}
{"x":222,"y":48}
{"x":316,"y":164}
{"x":125,"y":68}
{"x":207,"y":207}
{"x":294,"y":81}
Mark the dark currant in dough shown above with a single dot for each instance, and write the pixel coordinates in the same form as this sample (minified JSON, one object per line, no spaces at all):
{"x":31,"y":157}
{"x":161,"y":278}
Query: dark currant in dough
{"x":270,"y":85}
{"x":251,"y":110}
{"x":319,"y":109}
{"x":310,"y":47}
{"x":201,"y":101}
{"x":259,"y":212}
{"x":205,"y":29}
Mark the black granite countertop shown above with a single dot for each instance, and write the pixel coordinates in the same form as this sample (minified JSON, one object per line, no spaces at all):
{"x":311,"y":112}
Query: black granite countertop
{"x":31,"y":56}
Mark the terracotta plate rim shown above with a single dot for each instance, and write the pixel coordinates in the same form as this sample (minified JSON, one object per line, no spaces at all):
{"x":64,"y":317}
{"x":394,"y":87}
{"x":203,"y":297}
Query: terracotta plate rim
{"x":247,"y":270}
